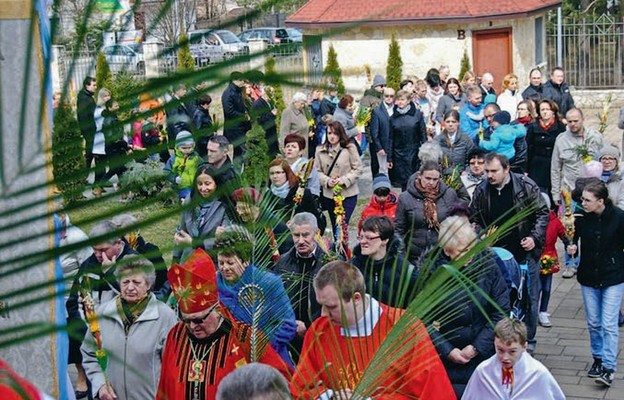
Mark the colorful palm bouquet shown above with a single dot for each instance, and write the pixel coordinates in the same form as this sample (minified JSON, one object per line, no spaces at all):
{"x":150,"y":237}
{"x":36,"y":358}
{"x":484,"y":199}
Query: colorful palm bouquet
{"x":342,"y":240}
{"x":548,"y":265}
{"x":362,"y":117}
{"x":303,"y":176}
{"x":453,"y":180}
{"x":94,"y":326}
{"x":602,"y":117}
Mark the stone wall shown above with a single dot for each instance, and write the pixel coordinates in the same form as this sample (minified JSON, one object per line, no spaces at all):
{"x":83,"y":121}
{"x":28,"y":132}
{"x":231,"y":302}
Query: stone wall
{"x":595,"y":99}
{"x":363,"y":49}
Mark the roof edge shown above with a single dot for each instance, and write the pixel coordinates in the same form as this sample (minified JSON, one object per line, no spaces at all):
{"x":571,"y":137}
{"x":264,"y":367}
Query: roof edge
{"x":419,"y":21}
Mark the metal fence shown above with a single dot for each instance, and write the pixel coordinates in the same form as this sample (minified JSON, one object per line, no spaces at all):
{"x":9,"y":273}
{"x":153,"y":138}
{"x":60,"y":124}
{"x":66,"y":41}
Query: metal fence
{"x":73,"y":67}
{"x":591,"y":48}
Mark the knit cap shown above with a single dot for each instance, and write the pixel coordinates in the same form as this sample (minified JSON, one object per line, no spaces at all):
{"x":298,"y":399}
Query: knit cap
{"x":502,"y":117}
{"x":610,"y":151}
{"x":379,"y":80}
{"x":184,"y":137}
{"x":381,"y":181}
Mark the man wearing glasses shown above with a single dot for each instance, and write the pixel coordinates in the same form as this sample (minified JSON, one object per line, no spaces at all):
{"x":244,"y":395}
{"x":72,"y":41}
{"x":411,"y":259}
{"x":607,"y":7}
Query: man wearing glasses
{"x":381,"y":141}
{"x":208,"y":343}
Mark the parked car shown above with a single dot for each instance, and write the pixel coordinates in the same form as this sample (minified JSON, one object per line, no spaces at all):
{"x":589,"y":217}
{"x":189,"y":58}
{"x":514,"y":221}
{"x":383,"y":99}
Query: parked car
{"x":272,"y":36}
{"x":216,"y":45}
{"x":125,"y":57}
{"x":295,"y":34}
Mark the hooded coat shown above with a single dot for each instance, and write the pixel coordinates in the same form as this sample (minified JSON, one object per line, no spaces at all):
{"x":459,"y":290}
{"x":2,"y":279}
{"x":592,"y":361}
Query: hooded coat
{"x":503,"y":139}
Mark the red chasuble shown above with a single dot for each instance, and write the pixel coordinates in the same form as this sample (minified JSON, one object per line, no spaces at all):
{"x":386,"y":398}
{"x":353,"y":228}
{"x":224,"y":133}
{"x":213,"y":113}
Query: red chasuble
{"x":187,"y":377}
{"x":333,"y":361}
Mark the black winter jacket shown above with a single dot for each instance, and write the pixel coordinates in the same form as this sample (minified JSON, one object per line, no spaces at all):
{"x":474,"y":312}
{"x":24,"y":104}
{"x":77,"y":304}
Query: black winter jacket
{"x":391,"y":280}
{"x":410,"y":218}
{"x":298,"y":273}
{"x":526,"y":194}
{"x":408,"y":132}
{"x":540,"y":145}
{"x":533,"y":93}
{"x":560,"y":94}
{"x":602,"y":247}
{"x":86,"y":108}
{"x":466,"y":324}
{"x":234,"y":114}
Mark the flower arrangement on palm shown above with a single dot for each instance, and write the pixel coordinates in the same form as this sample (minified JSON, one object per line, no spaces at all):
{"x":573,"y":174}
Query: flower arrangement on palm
{"x":94,"y":327}
{"x":548,"y":265}
{"x":602,"y":117}
{"x":342,"y":236}
{"x":362,"y":117}
{"x":453,"y":180}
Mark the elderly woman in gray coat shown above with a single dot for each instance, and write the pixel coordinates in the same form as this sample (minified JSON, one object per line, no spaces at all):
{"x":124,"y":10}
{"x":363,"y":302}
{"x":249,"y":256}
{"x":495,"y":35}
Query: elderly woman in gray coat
{"x":133,"y":329}
{"x":294,"y":120}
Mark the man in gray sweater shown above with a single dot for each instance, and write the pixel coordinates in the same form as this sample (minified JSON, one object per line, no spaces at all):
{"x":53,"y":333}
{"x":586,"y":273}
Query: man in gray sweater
{"x":567,"y":159}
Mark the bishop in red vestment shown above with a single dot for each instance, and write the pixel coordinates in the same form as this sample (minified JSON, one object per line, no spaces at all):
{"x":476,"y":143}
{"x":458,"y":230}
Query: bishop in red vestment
{"x":208,"y":343}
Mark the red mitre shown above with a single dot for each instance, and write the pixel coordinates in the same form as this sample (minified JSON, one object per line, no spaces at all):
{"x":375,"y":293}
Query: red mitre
{"x":194,"y":283}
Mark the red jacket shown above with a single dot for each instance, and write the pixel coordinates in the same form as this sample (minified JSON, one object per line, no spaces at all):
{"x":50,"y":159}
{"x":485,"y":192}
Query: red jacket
{"x":376,"y":209}
{"x":554,"y":230}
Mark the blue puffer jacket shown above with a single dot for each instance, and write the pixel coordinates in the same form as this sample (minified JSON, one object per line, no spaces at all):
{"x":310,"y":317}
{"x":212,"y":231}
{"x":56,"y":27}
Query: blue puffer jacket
{"x":503,"y":138}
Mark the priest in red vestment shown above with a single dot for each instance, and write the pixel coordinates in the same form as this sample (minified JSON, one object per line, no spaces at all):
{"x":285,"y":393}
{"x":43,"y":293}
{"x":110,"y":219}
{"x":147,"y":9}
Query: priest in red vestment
{"x":208,"y":343}
{"x":350,"y":351}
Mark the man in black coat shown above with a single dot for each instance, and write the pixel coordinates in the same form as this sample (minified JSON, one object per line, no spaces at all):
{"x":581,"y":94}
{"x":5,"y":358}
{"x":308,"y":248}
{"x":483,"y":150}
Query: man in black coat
{"x":381,"y":140}
{"x":236,"y":120}
{"x":558,"y":91}
{"x":265,"y":114}
{"x":86,"y":107}
{"x":492,"y":204}
{"x":535,"y":88}
{"x":178,"y":116}
{"x":297,"y":269}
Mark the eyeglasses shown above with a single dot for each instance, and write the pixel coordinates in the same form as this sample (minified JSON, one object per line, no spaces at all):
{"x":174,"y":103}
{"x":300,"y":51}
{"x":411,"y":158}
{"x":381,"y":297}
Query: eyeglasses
{"x":389,"y":96}
{"x":608,"y":159}
{"x":477,"y":162}
{"x":200,"y":320}
{"x":367,"y":238}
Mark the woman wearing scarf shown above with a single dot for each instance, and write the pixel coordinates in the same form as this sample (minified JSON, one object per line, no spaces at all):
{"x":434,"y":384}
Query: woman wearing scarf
{"x":338,"y":164}
{"x":204,"y":212}
{"x":133,"y":329}
{"x":609,"y":158}
{"x":426,"y":202}
{"x":407,"y":132}
{"x":284,"y":185}
{"x":540,"y":137}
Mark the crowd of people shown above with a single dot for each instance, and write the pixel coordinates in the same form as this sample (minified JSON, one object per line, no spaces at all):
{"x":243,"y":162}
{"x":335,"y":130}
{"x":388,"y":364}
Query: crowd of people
{"x":266,"y":275}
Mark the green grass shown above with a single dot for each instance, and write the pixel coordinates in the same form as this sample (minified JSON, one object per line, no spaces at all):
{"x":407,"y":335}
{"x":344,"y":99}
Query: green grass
{"x":159,"y":232}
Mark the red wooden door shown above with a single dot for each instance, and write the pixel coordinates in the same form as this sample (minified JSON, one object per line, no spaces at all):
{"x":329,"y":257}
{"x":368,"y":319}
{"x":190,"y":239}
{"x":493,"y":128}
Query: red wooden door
{"x":491,"y":52}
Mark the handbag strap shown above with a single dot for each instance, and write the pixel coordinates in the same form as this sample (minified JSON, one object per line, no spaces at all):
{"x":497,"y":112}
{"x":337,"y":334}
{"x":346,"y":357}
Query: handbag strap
{"x":333,"y":164}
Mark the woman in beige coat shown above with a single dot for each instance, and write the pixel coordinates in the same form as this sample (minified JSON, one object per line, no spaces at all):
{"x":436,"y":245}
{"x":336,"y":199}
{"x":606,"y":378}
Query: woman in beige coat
{"x":339,"y":166}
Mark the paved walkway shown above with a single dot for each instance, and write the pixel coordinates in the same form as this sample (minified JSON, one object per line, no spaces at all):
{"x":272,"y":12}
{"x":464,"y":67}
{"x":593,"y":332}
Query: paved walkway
{"x":564,"y":348}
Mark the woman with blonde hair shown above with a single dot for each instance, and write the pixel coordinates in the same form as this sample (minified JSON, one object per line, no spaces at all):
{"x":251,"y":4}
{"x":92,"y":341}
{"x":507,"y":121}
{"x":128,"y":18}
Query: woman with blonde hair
{"x":510,"y":96}
{"x":469,"y":79}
